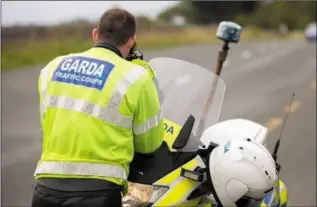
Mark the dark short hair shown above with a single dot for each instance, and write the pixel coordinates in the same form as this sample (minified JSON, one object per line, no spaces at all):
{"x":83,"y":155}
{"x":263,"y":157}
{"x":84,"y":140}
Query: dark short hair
{"x":116,"y":26}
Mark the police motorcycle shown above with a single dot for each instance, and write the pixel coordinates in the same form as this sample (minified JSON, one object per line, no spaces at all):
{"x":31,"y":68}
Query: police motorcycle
{"x":179,"y":172}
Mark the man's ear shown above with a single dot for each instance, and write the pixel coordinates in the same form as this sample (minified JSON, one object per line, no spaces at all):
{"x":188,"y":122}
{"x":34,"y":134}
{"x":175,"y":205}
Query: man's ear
{"x":131,"y":41}
{"x":95,"y":37}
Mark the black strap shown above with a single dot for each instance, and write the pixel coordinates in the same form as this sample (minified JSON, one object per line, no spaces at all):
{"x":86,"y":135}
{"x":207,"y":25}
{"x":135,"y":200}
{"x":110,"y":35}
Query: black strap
{"x":108,"y":47}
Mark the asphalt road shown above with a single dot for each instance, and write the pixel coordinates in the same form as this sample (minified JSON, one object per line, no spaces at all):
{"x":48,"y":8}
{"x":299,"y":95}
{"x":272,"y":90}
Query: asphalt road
{"x":260,"y":79}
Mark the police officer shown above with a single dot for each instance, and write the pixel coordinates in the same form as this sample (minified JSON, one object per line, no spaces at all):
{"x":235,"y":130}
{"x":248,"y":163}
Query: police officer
{"x":97,"y":108}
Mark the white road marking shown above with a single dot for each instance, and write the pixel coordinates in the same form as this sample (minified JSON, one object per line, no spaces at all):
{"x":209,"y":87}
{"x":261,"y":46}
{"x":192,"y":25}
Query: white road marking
{"x":246,"y":54}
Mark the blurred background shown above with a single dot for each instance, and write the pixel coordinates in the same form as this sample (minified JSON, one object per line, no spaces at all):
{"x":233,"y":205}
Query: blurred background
{"x":28,"y":28}
{"x":275,"y":57}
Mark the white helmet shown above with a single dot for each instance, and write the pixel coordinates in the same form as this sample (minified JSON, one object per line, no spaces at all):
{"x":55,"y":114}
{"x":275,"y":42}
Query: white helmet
{"x":242,"y":169}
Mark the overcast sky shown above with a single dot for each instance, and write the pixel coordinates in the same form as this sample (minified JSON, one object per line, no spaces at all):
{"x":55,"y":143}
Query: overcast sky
{"x":52,"y":12}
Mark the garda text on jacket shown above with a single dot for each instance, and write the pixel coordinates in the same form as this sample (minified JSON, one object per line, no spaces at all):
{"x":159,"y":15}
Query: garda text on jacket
{"x":84,"y":71}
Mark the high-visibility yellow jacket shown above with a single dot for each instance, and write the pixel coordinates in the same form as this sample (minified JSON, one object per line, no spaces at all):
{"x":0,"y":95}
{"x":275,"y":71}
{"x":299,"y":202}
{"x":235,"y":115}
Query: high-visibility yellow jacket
{"x":96,"y":110}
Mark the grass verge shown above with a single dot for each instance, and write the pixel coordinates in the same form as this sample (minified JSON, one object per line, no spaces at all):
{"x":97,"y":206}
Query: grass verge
{"x":34,"y":52}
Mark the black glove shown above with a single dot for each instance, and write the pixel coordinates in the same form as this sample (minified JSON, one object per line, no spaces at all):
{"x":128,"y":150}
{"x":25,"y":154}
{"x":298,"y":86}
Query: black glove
{"x":134,"y":53}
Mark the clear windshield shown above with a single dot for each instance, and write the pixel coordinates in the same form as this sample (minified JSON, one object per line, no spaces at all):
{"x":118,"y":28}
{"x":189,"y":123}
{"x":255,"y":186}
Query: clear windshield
{"x":185,"y":88}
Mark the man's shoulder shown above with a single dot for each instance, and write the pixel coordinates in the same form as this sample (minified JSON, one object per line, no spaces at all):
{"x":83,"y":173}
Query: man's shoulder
{"x":134,"y":69}
{"x":58,"y":59}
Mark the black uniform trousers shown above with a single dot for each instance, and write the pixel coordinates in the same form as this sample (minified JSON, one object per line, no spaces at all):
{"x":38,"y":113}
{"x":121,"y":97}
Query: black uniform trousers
{"x":47,"y":197}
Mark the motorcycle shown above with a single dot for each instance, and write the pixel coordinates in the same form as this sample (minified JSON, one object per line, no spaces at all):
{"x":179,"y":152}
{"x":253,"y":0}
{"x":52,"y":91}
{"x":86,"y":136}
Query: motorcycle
{"x":177,"y":174}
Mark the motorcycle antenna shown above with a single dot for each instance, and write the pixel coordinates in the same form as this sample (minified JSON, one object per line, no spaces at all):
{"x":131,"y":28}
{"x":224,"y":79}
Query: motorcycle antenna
{"x":228,"y":32}
{"x":277,"y":144}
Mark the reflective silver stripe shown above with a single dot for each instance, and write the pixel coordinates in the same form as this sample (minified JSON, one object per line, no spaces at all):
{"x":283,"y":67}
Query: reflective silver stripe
{"x":77,"y":168}
{"x":94,"y":110}
{"x":148,"y":124}
{"x":111,"y":112}
{"x":43,"y":84}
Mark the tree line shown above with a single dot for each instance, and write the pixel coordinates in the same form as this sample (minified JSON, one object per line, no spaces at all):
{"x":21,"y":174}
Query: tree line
{"x":263,"y":14}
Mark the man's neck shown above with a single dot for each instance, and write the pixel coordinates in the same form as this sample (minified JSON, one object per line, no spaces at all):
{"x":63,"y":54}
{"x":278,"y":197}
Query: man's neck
{"x":109,"y":47}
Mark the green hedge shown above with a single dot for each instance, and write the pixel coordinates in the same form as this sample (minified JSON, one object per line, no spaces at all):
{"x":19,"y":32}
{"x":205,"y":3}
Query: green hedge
{"x":35,"y":52}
